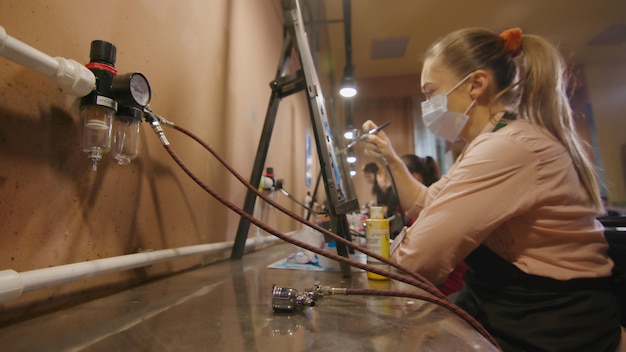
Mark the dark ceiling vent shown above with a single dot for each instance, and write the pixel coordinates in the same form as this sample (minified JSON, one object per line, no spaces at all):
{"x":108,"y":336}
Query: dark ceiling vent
{"x":614,"y":34}
{"x":389,"y":48}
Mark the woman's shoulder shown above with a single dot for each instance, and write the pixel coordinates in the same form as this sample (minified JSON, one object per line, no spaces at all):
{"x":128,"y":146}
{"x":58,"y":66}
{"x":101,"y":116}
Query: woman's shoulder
{"x":508,"y":143}
{"x":519,"y":137}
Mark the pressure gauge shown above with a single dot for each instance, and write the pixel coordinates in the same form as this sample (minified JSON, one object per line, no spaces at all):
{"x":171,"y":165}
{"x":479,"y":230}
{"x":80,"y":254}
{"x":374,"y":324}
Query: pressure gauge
{"x":131,"y":89}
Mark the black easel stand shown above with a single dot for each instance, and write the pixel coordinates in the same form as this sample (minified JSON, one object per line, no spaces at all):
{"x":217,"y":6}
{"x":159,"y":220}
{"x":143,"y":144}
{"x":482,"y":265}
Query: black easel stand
{"x":284,"y":85}
{"x":313,"y":196}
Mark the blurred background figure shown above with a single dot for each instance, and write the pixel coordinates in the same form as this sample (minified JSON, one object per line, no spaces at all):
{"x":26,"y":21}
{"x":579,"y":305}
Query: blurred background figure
{"x":425,"y":170}
{"x":381,"y":188}
{"x":308,"y":203}
{"x":609,"y":211}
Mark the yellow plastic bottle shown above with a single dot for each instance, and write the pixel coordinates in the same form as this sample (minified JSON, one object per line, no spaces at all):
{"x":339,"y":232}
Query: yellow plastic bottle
{"x":377,"y":236}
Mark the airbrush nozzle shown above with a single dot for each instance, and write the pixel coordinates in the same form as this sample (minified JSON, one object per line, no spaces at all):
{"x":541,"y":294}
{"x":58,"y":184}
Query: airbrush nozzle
{"x":362,"y":136}
{"x":378,"y":128}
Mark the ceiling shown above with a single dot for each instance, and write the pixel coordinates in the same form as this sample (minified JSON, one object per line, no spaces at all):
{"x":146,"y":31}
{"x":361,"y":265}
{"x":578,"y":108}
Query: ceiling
{"x":570,"y":24}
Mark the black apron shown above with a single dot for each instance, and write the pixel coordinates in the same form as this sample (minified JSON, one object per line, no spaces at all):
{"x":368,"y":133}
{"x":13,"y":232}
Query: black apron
{"x":526,"y":312}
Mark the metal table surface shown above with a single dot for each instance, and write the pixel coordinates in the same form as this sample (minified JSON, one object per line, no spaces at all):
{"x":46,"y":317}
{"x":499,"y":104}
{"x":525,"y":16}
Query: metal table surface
{"x":227,"y":306}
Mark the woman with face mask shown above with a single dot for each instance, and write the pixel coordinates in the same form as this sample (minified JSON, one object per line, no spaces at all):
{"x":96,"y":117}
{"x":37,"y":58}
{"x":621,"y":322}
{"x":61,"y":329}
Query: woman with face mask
{"x":520,"y":203}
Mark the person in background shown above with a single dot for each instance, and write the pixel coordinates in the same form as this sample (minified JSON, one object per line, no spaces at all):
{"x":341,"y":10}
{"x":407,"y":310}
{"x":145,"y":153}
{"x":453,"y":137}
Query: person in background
{"x":381,"y":188}
{"x":519,"y":204}
{"x":426,"y":171}
{"x":308,"y":204}
{"x":607,"y":210}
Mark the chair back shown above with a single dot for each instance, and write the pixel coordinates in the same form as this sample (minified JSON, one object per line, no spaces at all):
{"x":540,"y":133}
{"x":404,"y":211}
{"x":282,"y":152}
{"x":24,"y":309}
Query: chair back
{"x":615,"y":234}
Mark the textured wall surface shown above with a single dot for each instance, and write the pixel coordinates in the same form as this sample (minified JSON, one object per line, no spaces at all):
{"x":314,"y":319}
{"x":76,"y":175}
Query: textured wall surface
{"x":209,"y":64}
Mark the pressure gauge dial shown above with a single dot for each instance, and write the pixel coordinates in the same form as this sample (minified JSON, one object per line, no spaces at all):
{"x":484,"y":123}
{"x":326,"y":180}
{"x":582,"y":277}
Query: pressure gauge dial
{"x":131,"y":89}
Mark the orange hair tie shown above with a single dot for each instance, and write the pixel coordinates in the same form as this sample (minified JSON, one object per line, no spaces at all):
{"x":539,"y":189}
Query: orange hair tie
{"x":512,"y":41}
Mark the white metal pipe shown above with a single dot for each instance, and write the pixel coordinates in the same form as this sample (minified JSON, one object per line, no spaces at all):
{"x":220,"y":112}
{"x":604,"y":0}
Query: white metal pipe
{"x":13,"y":284}
{"x":71,"y":76}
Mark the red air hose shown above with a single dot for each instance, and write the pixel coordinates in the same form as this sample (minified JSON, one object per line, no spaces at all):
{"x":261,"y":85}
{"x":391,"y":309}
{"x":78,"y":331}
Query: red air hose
{"x":426,"y":286}
{"x":416,"y":280}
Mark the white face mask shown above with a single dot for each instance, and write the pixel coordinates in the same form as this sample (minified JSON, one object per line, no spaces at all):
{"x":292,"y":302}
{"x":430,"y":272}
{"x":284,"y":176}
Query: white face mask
{"x":443,"y":123}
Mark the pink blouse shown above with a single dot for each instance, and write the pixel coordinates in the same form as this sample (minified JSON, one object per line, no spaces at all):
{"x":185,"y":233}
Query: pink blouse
{"x":516,"y":191}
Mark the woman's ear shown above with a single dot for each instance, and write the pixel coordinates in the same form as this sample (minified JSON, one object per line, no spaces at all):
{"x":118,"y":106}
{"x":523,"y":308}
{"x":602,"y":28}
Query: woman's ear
{"x":479,"y":85}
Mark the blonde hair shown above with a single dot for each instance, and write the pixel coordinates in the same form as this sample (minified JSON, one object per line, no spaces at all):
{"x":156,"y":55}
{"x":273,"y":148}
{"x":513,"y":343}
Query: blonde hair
{"x":534,"y":84}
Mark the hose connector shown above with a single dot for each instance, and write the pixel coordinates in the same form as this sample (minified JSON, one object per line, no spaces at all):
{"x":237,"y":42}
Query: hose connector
{"x":153,"y":120}
{"x":152,"y":116}
{"x":164,"y":121}
{"x":156,"y":126}
{"x":335,"y":290}
{"x":318,"y":291}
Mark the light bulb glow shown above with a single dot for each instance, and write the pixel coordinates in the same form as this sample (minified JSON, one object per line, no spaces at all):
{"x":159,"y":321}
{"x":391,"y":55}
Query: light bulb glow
{"x":347,"y":92}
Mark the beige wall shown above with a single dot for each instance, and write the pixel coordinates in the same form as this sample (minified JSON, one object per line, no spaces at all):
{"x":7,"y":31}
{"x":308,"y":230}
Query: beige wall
{"x":607,"y":90}
{"x":209,"y":64}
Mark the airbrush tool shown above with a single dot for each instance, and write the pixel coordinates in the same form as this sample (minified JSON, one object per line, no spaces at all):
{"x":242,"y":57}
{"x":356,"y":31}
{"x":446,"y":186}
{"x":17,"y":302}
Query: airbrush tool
{"x":362,"y":136}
